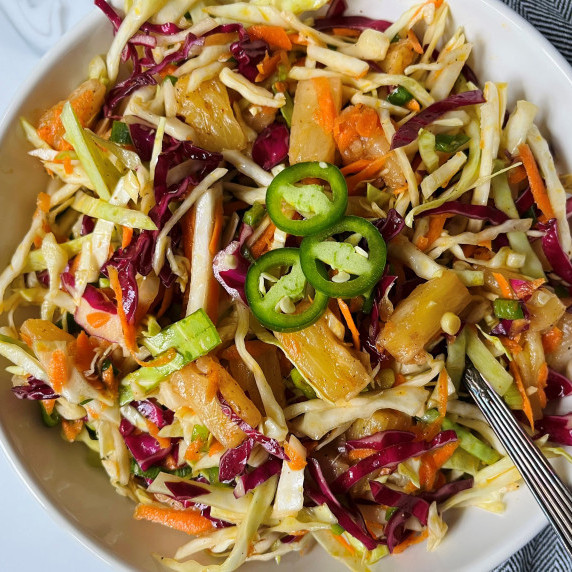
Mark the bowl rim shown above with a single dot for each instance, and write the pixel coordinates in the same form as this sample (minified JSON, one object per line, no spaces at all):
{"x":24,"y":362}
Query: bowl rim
{"x":95,"y":18}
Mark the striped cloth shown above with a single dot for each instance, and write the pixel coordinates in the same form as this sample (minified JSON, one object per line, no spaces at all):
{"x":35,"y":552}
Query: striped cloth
{"x":553,"y":18}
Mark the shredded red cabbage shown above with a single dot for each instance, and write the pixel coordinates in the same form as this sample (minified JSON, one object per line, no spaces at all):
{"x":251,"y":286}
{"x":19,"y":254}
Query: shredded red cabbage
{"x":381,"y":440}
{"x":554,"y":252}
{"x":233,"y":462}
{"x":256,"y":477}
{"x":87,"y":225}
{"x":35,"y":390}
{"x":249,"y":53}
{"x":269,"y":444}
{"x":111,"y":14}
{"x":98,"y":300}
{"x":349,"y":520}
{"x":271,"y":146}
{"x":145,"y":449}
{"x":184,"y":491}
{"x":391,"y":226}
{"x":151,"y":410}
{"x":414,"y":505}
{"x":409,"y":131}
{"x":389,"y":457}
{"x":395,"y":531}
{"x":479,"y":212}
{"x":127,"y":276}
{"x":167,"y":29}
{"x":230,"y":266}
{"x":124,"y":89}
{"x":352,"y":23}
{"x":557,"y":427}
{"x":447,"y":491}
{"x":524,"y":201}
{"x":336,"y":8}
{"x":558,"y":385}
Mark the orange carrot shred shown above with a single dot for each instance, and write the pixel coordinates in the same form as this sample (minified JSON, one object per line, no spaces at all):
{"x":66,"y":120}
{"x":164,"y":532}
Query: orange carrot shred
{"x":215,"y":448}
{"x":355,"y":167}
{"x":84,"y":352}
{"x":164,"y":443}
{"x":267,"y":66}
{"x":127,"y":236}
{"x":71,"y":429}
{"x":189,"y":520}
{"x":367,"y":174}
{"x":326,"y":114}
{"x":410,"y":541}
{"x":49,"y":405}
{"x":348,"y":32}
{"x":43,"y":202}
{"x":273,"y":35}
{"x":506,"y":290}
{"x":552,"y":339}
{"x":359,"y":454}
{"x":432,"y":461}
{"x":537,"y":185}
{"x":192,"y":453}
{"x":98,"y":319}
{"x":517,"y":175}
{"x":542,"y":382}
{"x":159,"y":361}
{"x":414,"y":42}
{"x":264,"y":242}
{"x":350,"y":322}
{"x":526,"y":406}
{"x":128,"y":329}
{"x":297,"y":462}
{"x":58,"y":370}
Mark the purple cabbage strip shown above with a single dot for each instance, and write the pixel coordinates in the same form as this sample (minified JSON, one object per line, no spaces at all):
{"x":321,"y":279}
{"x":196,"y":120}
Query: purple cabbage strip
{"x":143,"y":137}
{"x":479,"y":212}
{"x":389,"y":457}
{"x":127,"y":276}
{"x":395,"y":531}
{"x":126,"y":427}
{"x":391,"y":226}
{"x":259,"y":475}
{"x":249,"y":53}
{"x":271,"y":146}
{"x":87,"y":225}
{"x":558,"y":385}
{"x":270,"y":445}
{"x":145,"y":449}
{"x":414,"y":505}
{"x":557,"y":427}
{"x":151,"y":410}
{"x":126,"y":88}
{"x":230,"y":266}
{"x":521,"y":288}
{"x":98,"y":300}
{"x":110,"y":13}
{"x":35,"y":390}
{"x":352,"y":23}
{"x":348,"y":521}
{"x":233,"y":461}
{"x":524,"y":201}
{"x":554,"y":252}
{"x":167,"y":29}
{"x":447,"y":491}
{"x":184,"y":491}
{"x":409,"y":131}
{"x":336,"y":8}
{"x":381,"y":440}
{"x":569,"y":207}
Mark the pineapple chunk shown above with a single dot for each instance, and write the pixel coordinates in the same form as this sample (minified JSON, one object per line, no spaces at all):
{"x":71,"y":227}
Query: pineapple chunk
{"x":417,"y":319}
{"x":382,"y":420}
{"x":399,"y":56}
{"x":41,"y":330}
{"x":208,"y":110}
{"x":308,"y":140}
{"x":197,"y":386}
{"x":331,"y":368}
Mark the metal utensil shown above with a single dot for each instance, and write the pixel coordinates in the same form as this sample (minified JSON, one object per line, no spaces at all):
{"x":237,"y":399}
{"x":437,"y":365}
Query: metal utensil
{"x":553,"y":496}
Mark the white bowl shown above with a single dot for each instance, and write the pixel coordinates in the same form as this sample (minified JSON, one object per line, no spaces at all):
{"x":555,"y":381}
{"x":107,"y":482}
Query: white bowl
{"x":78,"y":496}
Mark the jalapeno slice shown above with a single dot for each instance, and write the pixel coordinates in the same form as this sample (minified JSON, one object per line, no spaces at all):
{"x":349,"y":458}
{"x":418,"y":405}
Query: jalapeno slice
{"x":274,"y":307}
{"x":357,"y":270}
{"x":311,"y":201}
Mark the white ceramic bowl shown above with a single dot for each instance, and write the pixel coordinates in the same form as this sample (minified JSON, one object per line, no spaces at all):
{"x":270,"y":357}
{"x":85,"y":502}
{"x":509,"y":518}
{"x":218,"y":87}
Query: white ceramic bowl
{"x":78,"y":496}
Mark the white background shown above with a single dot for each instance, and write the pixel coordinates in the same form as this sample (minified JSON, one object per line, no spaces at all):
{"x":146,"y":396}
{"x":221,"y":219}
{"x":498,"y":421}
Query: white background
{"x":29,"y":540}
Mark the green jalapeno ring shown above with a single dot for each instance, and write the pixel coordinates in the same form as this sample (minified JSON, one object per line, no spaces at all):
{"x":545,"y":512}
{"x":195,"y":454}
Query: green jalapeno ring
{"x":317,"y":251}
{"x":308,"y":198}
{"x":292,"y":285}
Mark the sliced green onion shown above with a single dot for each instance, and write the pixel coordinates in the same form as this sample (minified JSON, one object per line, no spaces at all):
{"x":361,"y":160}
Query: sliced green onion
{"x":399,"y":96}
{"x":120,"y":133}
{"x":450,"y":143}
{"x":508,"y":309}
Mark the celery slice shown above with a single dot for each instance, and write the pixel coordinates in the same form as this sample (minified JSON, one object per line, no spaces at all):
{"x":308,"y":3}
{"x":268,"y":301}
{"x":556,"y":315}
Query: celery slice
{"x":487,"y":364}
{"x":472,"y":444}
{"x":427,"y":150}
{"x":101,"y":172}
{"x":100,"y":209}
{"x":456,"y":352}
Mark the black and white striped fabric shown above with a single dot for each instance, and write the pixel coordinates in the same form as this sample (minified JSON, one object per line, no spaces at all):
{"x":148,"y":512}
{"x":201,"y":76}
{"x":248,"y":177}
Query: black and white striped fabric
{"x":554,"y":19}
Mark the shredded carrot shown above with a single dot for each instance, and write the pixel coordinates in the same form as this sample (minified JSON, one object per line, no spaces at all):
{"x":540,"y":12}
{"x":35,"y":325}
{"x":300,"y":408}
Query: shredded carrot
{"x":399,"y":379}
{"x":367,"y":174}
{"x":188,"y":228}
{"x":526,"y":406}
{"x":267,"y":67}
{"x":98,"y":319}
{"x":517,"y":175}
{"x":220,"y":38}
{"x":506,"y":290}
{"x":417,"y":47}
{"x":273,"y":35}
{"x":43,"y":202}
{"x":127,"y":236}
{"x":255,"y":348}
{"x":217,"y":230}
{"x":432,"y":461}
{"x":72,"y":429}
{"x":537,"y":185}
{"x":296,"y":462}
{"x":552,"y":339}
{"x":168,"y":70}
{"x":233,"y":206}
{"x":128,"y":329}
{"x":511,"y":345}
{"x":299,"y":40}
{"x":410,"y":541}
{"x":325,"y":115}
{"x":170,"y":463}
{"x":83,"y":352}
{"x":488,"y":244}
{"x":345,"y":543}
{"x":159,"y":361}
{"x":413,"y":105}
{"x":542,"y":382}
{"x":189,"y":520}
{"x":164,"y":443}
{"x":215,"y":448}
{"x":436,"y":225}
{"x":348,"y":32}
{"x":49,"y":405}
{"x":400,"y":190}
{"x":192,"y":453}
{"x":359,"y":454}
{"x":264,"y":242}
{"x":430,"y":430}
{"x":355,"y":167}
{"x":109,"y":379}
{"x":350,"y":322}
{"x":58,"y":370}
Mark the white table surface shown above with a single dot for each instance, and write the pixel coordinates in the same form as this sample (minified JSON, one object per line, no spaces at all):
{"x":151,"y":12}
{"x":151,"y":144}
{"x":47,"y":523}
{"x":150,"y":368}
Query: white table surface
{"x":29,"y":540}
